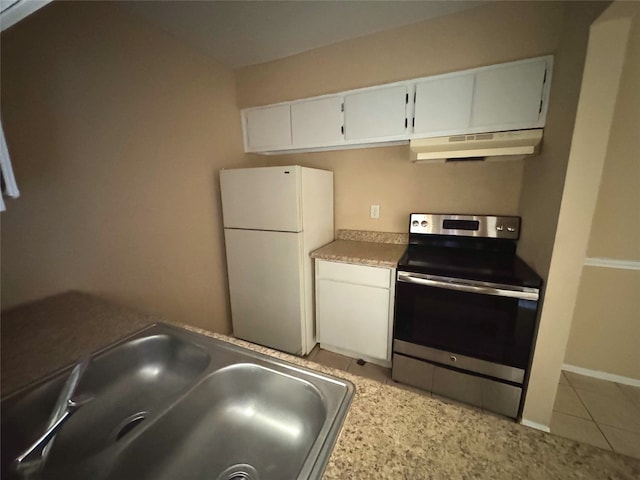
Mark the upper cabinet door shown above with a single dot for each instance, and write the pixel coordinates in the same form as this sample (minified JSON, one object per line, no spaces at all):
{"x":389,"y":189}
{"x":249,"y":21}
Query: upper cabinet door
{"x":268,"y":128}
{"x":443,"y":104}
{"x":317,"y":123}
{"x":509,"y":97}
{"x":376,"y":113}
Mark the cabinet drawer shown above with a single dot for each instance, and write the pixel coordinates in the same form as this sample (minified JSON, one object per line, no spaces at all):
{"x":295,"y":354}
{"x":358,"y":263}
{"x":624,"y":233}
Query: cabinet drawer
{"x":359,"y":274}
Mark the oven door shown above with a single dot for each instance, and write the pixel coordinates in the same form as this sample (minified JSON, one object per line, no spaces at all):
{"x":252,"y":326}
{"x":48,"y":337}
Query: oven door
{"x":482,"y":320}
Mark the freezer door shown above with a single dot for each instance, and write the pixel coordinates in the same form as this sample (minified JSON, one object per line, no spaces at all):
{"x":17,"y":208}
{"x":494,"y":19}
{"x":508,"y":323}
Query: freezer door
{"x":266,"y":287}
{"x":262,"y":198}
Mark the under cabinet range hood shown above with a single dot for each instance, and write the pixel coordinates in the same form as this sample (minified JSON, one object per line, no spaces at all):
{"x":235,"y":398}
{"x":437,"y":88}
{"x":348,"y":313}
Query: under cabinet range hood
{"x":512,"y":145}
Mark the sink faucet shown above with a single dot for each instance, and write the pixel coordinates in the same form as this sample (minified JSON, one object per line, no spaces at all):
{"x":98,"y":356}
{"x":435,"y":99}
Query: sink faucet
{"x":30,"y":462}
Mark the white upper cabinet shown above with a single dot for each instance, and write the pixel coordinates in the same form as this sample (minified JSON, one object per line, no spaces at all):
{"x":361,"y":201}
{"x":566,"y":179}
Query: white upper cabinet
{"x":497,"y":98}
{"x":267,"y":128}
{"x":317,"y":122}
{"x":376,"y":113}
{"x":443,"y":104}
{"x":509,"y":97}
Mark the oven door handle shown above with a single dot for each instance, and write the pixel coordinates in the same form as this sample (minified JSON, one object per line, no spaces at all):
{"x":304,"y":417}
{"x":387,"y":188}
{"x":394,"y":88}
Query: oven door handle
{"x":484,"y":289}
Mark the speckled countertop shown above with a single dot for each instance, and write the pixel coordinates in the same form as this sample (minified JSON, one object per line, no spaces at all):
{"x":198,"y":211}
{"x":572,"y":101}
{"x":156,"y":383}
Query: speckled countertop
{"x":389,"y":433}
{"x":378,"y":249}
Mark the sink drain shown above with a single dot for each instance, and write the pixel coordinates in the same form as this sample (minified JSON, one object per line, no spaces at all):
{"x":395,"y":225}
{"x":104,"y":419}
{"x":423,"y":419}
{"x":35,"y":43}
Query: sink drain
{"x":240,"y":471}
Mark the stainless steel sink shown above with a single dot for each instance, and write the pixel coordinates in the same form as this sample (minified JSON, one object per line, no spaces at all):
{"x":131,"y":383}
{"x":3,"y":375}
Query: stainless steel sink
{"x":169,"y":403}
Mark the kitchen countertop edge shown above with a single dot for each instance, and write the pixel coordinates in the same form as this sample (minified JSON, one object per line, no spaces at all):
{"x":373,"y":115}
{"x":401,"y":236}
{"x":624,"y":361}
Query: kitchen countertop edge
{"x":357,"y":252}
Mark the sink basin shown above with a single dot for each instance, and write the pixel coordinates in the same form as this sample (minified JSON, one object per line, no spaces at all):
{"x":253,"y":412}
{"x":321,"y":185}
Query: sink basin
{"x":140,"y":375}
{"x":169,"y":403}
{"x":244,"y":414}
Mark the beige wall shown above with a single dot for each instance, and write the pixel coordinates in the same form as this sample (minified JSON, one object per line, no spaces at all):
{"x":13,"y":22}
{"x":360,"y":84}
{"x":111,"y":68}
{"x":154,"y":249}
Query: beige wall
{"x":605,"y":331}
{"x":543,"y":176}
{"x":594,"y":120}
{"x":616,"y":222}
{"x":385,"y":177}
{"x":116,"y":132}
{"x":498,"y":32}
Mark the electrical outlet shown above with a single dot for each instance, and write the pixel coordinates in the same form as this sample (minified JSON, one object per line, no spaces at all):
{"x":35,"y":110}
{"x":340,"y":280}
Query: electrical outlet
{"x":375,"y":211}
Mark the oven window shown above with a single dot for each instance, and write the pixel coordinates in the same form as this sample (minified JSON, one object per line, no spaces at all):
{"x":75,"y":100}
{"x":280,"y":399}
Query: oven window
{"x":492,"y":328}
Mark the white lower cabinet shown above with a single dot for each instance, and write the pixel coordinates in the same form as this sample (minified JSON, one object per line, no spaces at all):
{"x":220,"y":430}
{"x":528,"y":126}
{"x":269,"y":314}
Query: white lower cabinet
{"x":354,"y":310}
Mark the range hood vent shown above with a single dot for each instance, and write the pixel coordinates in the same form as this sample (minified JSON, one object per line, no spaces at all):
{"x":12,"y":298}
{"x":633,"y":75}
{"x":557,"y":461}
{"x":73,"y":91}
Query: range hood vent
{"x":512,"y":145}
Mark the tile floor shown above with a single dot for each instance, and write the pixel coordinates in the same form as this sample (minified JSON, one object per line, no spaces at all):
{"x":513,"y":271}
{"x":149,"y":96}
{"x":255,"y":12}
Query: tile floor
{"x":604,"y":414}
{"x":598,"y":412}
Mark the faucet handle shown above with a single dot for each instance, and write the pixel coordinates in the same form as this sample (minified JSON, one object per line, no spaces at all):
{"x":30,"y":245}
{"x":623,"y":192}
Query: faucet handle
{"x":32,"y":459}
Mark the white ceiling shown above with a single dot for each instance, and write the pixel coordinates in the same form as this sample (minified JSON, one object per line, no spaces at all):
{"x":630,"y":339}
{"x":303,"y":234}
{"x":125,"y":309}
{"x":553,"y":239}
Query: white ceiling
{"x":240,"y":32}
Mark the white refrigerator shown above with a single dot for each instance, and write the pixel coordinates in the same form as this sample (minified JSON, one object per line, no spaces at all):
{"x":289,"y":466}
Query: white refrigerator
{"x":273,"y":218}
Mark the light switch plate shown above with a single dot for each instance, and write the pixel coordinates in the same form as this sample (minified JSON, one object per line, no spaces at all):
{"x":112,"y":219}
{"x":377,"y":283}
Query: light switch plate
{"x":375,"y":211}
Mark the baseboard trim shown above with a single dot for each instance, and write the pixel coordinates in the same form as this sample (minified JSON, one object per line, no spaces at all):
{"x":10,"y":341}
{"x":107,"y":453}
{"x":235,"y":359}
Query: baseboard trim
{"x":601,"y":375}
{"x":537,"y":426}
{"x":612,"y":263}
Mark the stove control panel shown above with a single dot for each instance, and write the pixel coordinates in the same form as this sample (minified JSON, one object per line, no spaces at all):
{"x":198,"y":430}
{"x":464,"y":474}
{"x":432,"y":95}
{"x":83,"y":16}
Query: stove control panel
{"x":486,"y":226}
